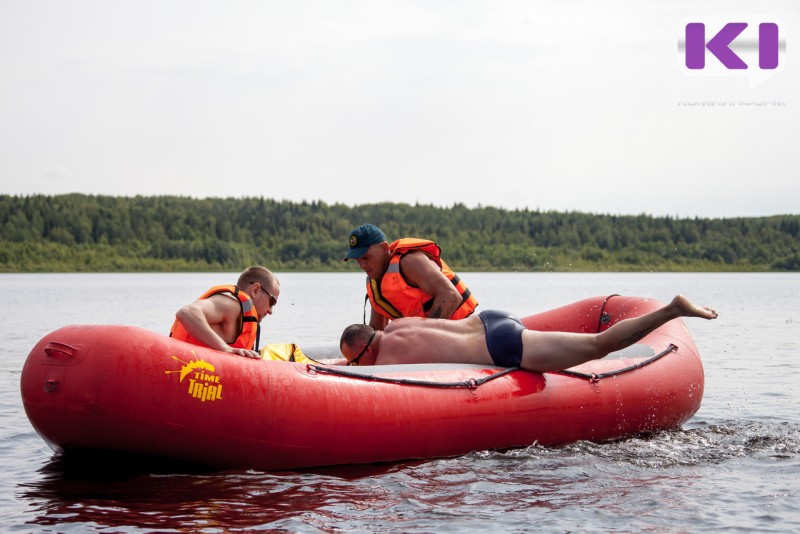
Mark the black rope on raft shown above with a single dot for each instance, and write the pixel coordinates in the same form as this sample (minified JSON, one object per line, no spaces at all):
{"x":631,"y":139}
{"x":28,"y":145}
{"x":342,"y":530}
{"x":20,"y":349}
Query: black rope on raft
{"x":592,"y":377}
{"x":472,"y":383}
{"x":605,"y":317}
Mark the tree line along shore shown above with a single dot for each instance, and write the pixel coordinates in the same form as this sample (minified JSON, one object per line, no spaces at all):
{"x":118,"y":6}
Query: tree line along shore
{"x":90,"y":233}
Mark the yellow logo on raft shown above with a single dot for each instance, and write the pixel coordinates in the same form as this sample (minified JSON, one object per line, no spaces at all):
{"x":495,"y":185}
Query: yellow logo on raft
{"x":203,"y":383}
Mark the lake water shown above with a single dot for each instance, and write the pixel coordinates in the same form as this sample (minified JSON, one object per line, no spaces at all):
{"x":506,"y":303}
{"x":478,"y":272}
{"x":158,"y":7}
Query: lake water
{"x":735,"y":466}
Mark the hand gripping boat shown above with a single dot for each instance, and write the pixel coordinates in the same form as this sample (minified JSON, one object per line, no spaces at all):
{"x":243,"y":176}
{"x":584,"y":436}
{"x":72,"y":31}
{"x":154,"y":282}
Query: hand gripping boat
{"x":128,"y":390}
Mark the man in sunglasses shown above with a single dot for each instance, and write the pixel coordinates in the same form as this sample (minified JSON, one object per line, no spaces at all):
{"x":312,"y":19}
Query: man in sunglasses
{"x":498,"y":338}
{"x":228,"y":318}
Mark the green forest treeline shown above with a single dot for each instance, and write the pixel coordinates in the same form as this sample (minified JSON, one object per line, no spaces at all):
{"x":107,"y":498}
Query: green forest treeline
{"x":76,"y":232}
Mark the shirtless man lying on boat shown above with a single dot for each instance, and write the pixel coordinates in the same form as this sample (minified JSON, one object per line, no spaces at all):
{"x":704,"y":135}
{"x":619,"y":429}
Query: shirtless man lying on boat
{"x":498,"y":338}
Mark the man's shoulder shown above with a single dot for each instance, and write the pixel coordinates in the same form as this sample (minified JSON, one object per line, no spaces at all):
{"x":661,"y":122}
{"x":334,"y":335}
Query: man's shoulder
{"x":417,"y":259}
{"x":402,"y":325}
{"x":227,"y":295}
{"x":224,"y":300}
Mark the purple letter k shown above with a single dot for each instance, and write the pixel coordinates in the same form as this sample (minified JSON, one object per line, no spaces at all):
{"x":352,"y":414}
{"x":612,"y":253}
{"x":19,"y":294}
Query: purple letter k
{"x":718,"y":45}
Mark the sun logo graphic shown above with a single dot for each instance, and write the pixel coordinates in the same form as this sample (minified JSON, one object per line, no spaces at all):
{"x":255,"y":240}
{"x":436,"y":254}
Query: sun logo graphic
{"x":203,"y":383}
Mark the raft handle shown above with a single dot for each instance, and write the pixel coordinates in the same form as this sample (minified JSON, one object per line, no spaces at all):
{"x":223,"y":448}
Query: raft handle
{"x":50,"y":385}
{"x":54,"y":349}
{"x":52,"y":382}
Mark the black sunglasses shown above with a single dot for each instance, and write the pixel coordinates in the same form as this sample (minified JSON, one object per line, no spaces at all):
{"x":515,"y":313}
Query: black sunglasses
{"x":354,"y":361}
{"x":272,"y":300}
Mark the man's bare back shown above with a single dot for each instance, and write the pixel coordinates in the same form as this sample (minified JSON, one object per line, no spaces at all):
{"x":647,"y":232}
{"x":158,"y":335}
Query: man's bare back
{"x":417,"y":340}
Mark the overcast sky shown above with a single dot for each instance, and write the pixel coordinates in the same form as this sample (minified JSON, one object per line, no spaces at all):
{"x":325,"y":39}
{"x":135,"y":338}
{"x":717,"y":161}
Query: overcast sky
{"x":550,"y":105}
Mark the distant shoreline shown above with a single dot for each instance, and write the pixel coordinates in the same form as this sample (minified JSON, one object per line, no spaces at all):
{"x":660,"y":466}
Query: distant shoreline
{"x":87,"y":233}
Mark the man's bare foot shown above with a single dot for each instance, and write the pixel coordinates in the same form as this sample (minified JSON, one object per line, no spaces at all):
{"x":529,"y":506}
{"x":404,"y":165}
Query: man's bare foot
{"x":689,"y":309}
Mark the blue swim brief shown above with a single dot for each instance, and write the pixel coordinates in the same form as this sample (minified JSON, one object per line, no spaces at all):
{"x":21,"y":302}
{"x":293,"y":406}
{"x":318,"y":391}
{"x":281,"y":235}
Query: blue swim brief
{"x":503,"y":337}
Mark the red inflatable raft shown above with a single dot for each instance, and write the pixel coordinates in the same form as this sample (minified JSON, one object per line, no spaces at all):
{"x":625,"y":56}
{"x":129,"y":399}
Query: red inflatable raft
{"x":128,"y":390}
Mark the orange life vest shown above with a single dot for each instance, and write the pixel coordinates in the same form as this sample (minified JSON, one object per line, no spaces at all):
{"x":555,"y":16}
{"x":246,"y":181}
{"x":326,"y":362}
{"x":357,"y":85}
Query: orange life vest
{"x":394,"y":297}
{"x":249,"y":329}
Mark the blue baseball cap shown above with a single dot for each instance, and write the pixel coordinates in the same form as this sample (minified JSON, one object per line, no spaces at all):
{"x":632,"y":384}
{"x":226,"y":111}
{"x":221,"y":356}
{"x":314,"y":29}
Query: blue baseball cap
{"x":361,"y":238}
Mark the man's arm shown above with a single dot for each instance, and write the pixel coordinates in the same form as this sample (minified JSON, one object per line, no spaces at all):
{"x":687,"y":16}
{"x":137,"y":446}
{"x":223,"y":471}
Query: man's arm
{"x":376,"y":320}
{"x":206,"y":319}
{"x":422,"y":272}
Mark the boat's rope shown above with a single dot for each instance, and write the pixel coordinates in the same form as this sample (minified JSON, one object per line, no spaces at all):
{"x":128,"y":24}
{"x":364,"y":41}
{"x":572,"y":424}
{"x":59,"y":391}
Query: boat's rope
{"x":472,"y":383}
{"x":605,"y":317}
{"x":595,"y":377}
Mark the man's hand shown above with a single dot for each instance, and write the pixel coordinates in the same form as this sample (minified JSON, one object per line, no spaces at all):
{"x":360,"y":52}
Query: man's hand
{"x":244,"y":352}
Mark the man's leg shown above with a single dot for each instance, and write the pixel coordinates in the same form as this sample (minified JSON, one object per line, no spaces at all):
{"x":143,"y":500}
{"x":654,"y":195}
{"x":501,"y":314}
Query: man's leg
{"x":554,"y":351}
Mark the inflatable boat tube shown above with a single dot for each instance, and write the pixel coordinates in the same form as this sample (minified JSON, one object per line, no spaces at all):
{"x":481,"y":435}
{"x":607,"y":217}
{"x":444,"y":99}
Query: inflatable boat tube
{"x":124,"y":389}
